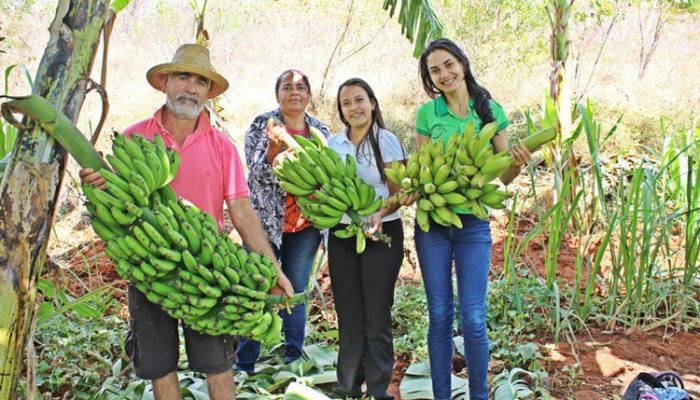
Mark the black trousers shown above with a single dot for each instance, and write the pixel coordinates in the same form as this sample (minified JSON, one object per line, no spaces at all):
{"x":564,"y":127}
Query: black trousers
{"x":363,"y":289}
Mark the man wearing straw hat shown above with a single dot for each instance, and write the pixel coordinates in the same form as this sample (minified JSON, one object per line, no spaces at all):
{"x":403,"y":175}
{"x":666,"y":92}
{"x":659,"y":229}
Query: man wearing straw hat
{"x":210,"y":174}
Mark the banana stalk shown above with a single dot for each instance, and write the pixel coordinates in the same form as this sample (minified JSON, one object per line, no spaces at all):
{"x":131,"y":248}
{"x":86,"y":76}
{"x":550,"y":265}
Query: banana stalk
{"x":383,"y":237}
{"x":57,"y":125}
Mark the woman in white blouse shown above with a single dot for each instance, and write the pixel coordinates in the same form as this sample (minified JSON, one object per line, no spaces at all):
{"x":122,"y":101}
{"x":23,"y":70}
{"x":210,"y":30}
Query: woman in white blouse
{"x":363,"y":284}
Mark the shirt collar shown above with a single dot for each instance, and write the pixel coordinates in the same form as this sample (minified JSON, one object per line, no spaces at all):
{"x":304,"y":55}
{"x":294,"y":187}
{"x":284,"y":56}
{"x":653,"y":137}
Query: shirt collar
{"x":441,"y":106}
{"x":344,"y":134}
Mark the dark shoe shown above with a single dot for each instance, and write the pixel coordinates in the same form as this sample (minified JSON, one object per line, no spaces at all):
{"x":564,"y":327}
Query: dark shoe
{"x":238,"y":368}
{"x":339,"y":394}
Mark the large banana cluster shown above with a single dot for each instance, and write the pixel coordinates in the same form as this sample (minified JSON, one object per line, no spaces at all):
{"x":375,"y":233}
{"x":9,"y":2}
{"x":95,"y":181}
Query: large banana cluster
{"x":453,"y":176}
{"x":173,"y":252}
{"x":327,"y":187}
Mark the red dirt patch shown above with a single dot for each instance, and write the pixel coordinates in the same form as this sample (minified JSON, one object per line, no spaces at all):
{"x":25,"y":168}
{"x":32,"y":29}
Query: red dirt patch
{"x":610,"y":360}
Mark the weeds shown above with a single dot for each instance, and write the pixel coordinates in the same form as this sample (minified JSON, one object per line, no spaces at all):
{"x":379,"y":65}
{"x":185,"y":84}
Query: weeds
{"x":410,"y":315}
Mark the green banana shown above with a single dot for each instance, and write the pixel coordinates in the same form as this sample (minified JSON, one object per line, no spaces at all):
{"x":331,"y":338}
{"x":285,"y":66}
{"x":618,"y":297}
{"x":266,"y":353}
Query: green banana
{"x":174,"y":157}
{"x":139,"y":195}
{"x":105,"y":216}
{"x":350,"y":166}
{"x":155,"y":235}
{"x":148,"y":269}
{"x":221,"y":280}
{"x":107,"y":199}
{"x":137,"y":247}
{"x":232,"y":276}
{"x":294,"y":189}
{"x":124,"y":157}
{"x":360,"y":241}
{"x":156,"y":168}
{"x":263,"y":326}
{"x":133,"y":150}
{"x":425,"y":205}
{"x":144,"y":239}
{"x":207,"y":250}
{"x":205,"y":273}
{"x":169,"y":254}
{"x":193,"y":241}
{"x":422,"y":219}
{"x":345,"y":233}
{"x":454,"y":198}
{"x":114,"y":179}
{"x":176,"y":239}
{"x":447,"y":187}
{"x":103,"y":231}
{"x":372,"y":208}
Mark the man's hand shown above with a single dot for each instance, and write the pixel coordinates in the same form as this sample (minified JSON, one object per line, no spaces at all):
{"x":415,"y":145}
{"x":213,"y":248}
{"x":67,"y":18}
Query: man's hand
{"x":93,"y":178}
{"x":283,"y":286}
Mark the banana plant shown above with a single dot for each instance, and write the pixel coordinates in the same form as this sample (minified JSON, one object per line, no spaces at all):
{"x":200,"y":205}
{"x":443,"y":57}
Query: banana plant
{"x":418,"y":22}
{"x":33,"y":175}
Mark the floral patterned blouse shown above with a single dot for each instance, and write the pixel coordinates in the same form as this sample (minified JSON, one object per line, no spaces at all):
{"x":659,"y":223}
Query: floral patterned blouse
{"x":266,"y":195}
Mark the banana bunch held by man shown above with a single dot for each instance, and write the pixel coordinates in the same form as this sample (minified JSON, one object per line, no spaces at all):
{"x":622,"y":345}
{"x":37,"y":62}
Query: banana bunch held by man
{"x":457,"y":175}
{"x":173,"y":252}
{"x":327,"y":186}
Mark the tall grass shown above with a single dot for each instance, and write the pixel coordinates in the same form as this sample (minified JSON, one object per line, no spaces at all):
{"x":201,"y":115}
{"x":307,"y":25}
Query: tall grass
{"x":650,"y":204}
{"x":636,"y":263}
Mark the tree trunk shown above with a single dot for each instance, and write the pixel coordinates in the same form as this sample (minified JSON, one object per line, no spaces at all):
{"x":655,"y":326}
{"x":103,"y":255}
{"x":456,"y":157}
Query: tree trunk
{"x":29,"y":191}
{"x":560,"y":91}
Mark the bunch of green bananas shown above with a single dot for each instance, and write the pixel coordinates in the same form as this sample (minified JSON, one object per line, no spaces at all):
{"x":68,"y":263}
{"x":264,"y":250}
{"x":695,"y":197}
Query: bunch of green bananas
{"x":453,"y":176}
{"x":173,"y":252}
{"x":327,"y":187}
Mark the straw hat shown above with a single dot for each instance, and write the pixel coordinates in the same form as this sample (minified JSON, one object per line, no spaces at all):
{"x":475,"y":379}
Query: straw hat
{"x":191,"y":58}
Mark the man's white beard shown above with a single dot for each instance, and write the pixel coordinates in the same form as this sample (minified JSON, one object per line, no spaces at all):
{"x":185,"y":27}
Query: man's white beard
{"x":184,"y":108}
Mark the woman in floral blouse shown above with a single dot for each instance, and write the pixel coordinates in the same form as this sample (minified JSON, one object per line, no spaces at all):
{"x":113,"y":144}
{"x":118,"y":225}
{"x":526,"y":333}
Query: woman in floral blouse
{"x":292,"y":237}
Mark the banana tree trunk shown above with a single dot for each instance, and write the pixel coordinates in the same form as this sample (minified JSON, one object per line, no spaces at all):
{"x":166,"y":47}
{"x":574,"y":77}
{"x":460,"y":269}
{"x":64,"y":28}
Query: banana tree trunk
{"x":559,"y":90}
{"x":29,"y":190}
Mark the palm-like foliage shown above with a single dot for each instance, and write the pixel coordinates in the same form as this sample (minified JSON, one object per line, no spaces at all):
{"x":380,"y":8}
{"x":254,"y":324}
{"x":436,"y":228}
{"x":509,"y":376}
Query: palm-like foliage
{"x":418,"y":21}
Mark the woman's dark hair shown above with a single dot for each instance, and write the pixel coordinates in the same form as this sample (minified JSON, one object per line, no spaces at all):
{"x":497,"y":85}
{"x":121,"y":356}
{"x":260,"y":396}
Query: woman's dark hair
{"x":304,"y":78}
{"x":376,"y":119}
{"x":478,"y":93}
{"x":292,"y":71}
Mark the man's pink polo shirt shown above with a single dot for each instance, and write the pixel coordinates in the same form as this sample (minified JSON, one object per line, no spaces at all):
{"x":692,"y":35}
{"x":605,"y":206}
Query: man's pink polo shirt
{"x":210,"y":170}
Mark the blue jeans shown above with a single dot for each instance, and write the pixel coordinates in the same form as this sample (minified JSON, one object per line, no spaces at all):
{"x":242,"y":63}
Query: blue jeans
{"x":470,"y":248}
{"x":297,"y":258}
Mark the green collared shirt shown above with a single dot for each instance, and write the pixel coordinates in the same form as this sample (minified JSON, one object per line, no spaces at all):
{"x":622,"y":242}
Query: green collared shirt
{"x":435,"y":120}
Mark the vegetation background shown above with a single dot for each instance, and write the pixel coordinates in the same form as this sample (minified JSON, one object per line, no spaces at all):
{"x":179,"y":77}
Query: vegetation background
{"x":507,"y":42}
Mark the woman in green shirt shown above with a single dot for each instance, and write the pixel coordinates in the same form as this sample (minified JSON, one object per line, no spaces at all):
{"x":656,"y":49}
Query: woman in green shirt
{"x":458,"y":100}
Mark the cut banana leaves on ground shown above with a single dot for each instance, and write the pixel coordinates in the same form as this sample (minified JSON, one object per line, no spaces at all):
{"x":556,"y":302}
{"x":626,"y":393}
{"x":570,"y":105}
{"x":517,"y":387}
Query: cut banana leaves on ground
{"x":165,"y":246}
{"x":513,"y":384}
{"x":416,"y":383}
{"x":296,"y":391}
